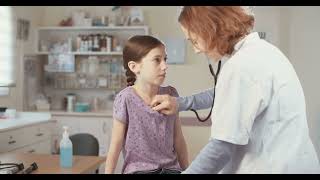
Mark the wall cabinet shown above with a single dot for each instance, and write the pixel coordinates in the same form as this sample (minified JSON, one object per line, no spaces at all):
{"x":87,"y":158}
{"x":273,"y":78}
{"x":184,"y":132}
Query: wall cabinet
{"x":90,"y":73}
{"x":47,"y":37}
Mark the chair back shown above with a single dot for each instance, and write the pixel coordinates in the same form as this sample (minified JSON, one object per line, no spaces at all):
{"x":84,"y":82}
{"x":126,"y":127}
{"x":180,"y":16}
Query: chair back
{"x":85,"y":144}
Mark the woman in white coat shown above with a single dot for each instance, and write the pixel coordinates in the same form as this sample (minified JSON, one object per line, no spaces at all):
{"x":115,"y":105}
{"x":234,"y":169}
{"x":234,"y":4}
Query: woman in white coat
{"x":259,"y":120}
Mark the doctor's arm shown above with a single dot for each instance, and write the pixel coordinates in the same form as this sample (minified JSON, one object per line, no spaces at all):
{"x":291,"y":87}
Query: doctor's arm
{"x":202,"y":100}
{"x":212,"y":158}
{"x":169,"y":105}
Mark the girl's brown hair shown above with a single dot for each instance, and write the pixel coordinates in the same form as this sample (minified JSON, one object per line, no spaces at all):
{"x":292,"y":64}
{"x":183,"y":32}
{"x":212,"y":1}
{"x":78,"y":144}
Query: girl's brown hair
{"x":134,"y":50}
{"x":220,"y":26}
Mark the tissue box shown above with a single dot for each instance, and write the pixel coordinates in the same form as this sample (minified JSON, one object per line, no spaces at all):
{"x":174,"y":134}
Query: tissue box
{"x":43,"y":106}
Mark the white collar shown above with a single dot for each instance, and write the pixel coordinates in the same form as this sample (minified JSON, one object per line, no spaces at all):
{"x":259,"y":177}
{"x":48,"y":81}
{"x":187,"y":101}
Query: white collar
{"x":249,"y":37}
{"x":239,"y":44}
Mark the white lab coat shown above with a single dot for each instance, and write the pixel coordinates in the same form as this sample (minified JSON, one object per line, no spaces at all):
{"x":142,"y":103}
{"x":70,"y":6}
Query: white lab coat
{"x":260,"y":105}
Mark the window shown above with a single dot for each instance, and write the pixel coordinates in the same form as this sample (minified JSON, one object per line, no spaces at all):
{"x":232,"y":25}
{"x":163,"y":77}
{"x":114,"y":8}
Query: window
{"x":7,"y":40}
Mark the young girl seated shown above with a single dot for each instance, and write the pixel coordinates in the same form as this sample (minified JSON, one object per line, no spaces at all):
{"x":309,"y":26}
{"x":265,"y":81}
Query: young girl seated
{"x":151,"y":142}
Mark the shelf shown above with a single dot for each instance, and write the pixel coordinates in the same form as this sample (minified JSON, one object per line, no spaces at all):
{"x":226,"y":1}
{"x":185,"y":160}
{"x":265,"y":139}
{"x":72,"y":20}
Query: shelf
{"x":86,"y":53}
{"x":83,"y":89}
{"x":80,"y":28}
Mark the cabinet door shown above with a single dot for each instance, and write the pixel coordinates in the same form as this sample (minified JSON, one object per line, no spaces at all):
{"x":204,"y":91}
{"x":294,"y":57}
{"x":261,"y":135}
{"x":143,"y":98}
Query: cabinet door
{"x":106,"y":137}
{"x":99,"y":128}
{"x":71,"y":122}
{"x":43,"y":147}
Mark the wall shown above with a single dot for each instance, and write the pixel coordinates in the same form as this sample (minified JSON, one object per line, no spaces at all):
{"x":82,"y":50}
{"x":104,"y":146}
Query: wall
{"x":296,"y":33}
{"x":189,"y":78}
{"x":285,"y":26}
{"x":34,"y":15}
{"x":304,"y":38}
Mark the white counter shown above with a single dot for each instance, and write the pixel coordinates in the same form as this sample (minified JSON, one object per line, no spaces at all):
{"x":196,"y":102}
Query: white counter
{"x":82,"y":114}
{"x":24,"y":119}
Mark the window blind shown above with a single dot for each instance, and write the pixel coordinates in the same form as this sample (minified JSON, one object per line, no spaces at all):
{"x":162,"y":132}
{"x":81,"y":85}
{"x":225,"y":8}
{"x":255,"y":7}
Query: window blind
{"x":7,"y":47}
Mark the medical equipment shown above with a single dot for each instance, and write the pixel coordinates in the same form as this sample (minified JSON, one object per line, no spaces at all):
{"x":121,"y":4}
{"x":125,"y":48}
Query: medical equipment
{"x":30,"y":169}
{"x":215,"y":76}
{"x":11,"y":168}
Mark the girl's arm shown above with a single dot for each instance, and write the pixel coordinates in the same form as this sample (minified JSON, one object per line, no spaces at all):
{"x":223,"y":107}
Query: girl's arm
{"x":117,"y":138}
{"x":180,"y":145}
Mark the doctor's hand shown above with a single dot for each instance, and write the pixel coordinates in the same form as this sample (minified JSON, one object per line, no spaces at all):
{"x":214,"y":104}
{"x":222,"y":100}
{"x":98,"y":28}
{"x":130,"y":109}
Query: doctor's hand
{"x":165,"y":104}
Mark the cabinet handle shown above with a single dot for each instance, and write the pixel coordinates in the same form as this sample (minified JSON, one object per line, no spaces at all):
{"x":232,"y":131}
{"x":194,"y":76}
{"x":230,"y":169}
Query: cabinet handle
{"x":12,"y":142}
{"x":31,"y":151}
{"x":39,"y":134}
{"x":104,"y":127}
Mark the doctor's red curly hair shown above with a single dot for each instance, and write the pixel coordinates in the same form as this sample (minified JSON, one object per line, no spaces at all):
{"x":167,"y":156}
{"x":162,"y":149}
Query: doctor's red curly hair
{"x":220,"y":27}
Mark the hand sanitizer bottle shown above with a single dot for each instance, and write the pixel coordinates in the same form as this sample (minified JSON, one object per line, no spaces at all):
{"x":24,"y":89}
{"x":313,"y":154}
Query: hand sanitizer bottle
{"x":66,"y":151}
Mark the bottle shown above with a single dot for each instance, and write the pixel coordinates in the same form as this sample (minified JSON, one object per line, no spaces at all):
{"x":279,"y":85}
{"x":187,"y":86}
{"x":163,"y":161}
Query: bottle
{"x":109,"y":43}
{"x":70,"y":102}
{"x":66,"y":151}
{"x":95,"y":43}
{"x":90,"y":43}
{"x":78,"y":42}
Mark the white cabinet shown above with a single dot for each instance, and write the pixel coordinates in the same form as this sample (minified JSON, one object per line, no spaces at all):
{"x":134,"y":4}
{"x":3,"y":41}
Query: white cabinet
{"x":29,"y":139}
{"x":99,"y":127}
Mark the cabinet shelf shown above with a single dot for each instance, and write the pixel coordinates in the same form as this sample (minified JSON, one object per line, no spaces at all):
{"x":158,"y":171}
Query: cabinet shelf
{"x":81,"y":28}
{"x":86,"y":88}
{"x":87,"y":53}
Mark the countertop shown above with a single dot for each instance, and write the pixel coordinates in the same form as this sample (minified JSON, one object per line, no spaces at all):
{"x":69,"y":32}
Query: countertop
{"x":24,"y":119}
{"x":50,"y":164}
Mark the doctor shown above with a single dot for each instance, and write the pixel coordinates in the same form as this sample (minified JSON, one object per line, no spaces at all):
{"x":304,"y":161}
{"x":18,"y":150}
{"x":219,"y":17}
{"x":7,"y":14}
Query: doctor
{"x":259,"y":120}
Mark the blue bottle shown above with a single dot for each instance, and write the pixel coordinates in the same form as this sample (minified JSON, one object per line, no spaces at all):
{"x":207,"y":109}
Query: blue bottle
{"x":66,"y":151}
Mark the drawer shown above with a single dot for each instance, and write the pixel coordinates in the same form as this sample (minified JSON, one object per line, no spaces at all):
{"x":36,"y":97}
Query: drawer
{"x":43,"y":147}
{"x":38,"y":132}
{"x":11,"y":140}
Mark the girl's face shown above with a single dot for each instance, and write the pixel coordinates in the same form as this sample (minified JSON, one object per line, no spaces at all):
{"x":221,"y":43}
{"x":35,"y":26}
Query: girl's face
{"x":199,"y":45}
{"x":152,"y":68}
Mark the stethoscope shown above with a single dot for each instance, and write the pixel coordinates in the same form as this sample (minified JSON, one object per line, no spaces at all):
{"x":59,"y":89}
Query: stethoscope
{"x":215,"y":76}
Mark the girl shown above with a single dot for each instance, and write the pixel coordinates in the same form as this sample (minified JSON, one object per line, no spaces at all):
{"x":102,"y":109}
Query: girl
{"x":151,"y":142}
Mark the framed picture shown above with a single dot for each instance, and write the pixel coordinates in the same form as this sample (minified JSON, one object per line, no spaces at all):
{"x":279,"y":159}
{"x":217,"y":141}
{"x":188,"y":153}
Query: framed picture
{"x":175,"y":48}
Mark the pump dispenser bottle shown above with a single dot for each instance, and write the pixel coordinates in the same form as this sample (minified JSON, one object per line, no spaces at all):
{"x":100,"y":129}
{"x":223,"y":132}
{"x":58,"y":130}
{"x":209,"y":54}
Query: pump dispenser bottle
{"x":66,"y":151}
